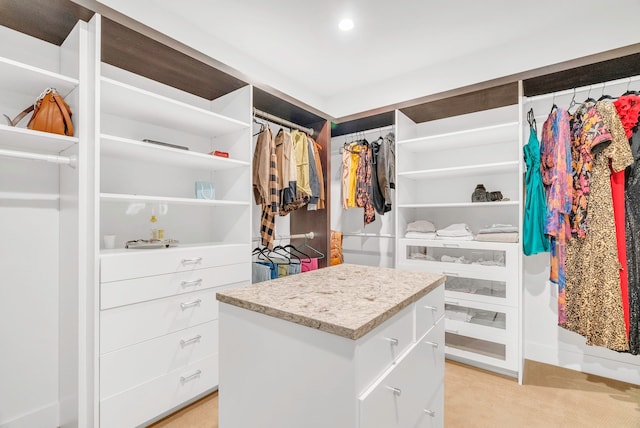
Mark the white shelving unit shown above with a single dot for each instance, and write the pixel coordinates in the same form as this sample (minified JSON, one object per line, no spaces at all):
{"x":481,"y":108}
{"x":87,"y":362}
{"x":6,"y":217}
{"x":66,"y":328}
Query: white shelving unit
{"x":439,"y":164}
{"x":45,"y":257}
{"x":163,"y":300}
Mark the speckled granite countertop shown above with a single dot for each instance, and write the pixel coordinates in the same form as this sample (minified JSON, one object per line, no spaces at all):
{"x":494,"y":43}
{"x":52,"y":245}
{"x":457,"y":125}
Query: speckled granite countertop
{"x":346,"y":300}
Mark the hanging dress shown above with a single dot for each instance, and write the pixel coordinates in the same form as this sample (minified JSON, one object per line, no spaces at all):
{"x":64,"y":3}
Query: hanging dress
{"x":535,"y":241}
{"x":556,"y":177}
{"x":632,"y":228}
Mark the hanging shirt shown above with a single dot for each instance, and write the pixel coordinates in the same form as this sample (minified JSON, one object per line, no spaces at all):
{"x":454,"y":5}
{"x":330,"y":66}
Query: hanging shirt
{"x":385,"y":169}
{"x":314,"y":184}
{"x":287,"y":175}
{"x":363,"y":186}
{"x":346,"y":178}
{"x":300,"y":147}
{"x":265,"y":185}
{"x":534,"y":239}
{"x":632,"y":229}
{"x":316,"y":155}
{"x":354,"y":150}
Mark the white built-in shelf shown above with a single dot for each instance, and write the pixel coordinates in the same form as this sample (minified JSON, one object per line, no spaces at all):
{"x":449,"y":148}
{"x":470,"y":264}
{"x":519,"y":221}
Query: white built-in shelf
{"x":121,"y":99}
{"x":463,"y":205}
{"x":27,"y":140}
{"x":24,"y":196}
{"x":125,"y":148}
{"x":120,"y":197}
{"x":487,"y":168}
{"x":26,"y":79}
{"x":505,"y":132}
{"x":118,"y":251}
{"x":452,"y":243}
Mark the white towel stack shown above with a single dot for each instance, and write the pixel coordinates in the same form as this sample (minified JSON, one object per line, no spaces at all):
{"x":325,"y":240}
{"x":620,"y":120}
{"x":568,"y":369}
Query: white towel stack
{"x":456,"y":231}
{"x":421,"y":229}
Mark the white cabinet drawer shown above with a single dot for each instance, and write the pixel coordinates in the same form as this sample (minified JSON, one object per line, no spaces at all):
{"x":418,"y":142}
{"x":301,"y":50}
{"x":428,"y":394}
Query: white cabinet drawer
{"x":432,"y":415}
{"x":149,"y":400}
{"x":482,"y":320}
{"x":119,"y":293}
{"x":429,"y":309}
{"x":432,"y":349}
{"x":127,"y":325}
{"x":397,"y":399}
{"x":379,"y":349}
{"x":134,"y":365}
{"x":140,"y":263}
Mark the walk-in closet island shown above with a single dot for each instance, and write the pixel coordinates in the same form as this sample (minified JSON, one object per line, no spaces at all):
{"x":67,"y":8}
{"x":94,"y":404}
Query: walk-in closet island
{"x":346,"y":346}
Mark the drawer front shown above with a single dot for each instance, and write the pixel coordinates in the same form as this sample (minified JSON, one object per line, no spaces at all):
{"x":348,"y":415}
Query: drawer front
{"x":134,"y":365}
{"x":432,"y":415}
{"x":131,"y":324}
{"x":480,"y":287}
{"x":119,"y":293}
{"x":429,"y":309}
{"x":397,"y":399}
{"x":431,"y":349}
{"x":381,"y":347}
{"x":149,"y":400}
{"x":482,"y":320}
{"x":140,"y":263}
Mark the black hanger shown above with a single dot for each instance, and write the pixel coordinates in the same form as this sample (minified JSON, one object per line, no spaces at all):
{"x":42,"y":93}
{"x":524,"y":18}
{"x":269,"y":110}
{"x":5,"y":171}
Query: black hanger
{"x":606,"y":97}
{"x":531,"y":118}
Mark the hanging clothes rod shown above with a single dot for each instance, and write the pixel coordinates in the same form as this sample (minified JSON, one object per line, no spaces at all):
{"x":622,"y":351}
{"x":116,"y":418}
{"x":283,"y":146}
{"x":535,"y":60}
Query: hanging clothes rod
{"x":72,"y":161}
{"x":284,"y":122}
{"x":308,"y":235}
{"x":594,"y":88}
{"x":370,"y":235}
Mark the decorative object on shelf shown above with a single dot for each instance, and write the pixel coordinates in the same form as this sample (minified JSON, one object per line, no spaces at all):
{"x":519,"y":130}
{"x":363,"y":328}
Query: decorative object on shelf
{"x":220,"y":154}
{"x":151,"y":243}
{"x":160,"y":143}
{"x":50,"y":114}
{"x":205,"y":190}
{"x":109,"y":242}
{"x":480,"y":194}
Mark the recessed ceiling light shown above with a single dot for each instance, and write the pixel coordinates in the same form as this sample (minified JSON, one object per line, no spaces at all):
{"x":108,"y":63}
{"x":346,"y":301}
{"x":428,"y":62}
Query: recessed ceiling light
{"x":346,"y":24}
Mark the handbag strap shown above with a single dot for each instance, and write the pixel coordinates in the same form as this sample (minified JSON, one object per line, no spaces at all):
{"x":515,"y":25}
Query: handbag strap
{"x":20,"y":115}
{"x":65,"y":113}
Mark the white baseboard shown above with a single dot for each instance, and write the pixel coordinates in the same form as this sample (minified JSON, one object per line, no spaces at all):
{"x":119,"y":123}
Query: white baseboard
{"x":44,"y":417}
{"x":587,"y":363}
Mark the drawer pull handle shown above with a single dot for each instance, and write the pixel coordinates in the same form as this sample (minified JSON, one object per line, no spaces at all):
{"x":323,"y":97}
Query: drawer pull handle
{"x":190,"y":283}
{"x":434,"y":344}
{"x":432,"y":308}
{"x":430,"y":413}
{"x":192,"y":261}
{"x":452,"y":331}
{"x":190,"y":304}
{"x":184,"y":379}
{"x":184,"y":343}
{"x":393,"y":340}
{"x":451,"y":273}
{"x":451,"y":302}
{"x":451,"y":245}
{"x":396,"y":391}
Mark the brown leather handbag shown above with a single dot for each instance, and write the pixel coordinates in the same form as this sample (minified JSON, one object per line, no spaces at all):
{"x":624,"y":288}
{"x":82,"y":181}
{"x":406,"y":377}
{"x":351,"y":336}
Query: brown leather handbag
{"x":50,"y":114}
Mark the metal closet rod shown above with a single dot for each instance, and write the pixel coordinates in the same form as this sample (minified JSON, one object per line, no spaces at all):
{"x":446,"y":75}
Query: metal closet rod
{"x":308,"y":235}
{"x":288,"y":124}
{"x":72,"y":161}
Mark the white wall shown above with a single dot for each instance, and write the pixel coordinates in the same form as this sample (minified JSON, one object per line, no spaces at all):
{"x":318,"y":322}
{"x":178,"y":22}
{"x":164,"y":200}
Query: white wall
{"x":372,"y":244}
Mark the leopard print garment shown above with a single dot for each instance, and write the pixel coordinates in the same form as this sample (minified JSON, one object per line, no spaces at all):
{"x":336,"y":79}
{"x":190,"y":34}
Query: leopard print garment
{"x":594,"y":303}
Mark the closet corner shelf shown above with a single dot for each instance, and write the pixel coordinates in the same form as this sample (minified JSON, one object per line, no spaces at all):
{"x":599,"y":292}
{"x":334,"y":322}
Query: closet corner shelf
{"x":119,"y":197}
{"x":463,"y":205}
{"x":125,"y":148}
{"x":488,"y":168}
{"x":27,"y":140}
{"x":493,"y":134}
{"x":26,"y":79}
{"x":121,"y":99}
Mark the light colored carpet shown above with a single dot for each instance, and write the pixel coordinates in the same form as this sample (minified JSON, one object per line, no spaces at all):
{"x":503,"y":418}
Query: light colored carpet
{"x":551,"y":397}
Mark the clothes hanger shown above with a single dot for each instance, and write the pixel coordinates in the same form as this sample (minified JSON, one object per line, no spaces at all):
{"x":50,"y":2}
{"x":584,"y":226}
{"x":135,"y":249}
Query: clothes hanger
{"x":305,"y":244}
{"x":553,"y":101}
{"x":629,"y":91}
{"x":532,"y":120}
{"x":604,"y":96}
{"x":589,"y":99}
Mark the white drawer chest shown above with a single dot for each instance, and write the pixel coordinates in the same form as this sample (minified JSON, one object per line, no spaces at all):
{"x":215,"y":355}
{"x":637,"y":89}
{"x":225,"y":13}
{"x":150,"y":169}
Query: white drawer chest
{"x":159,"y":327}
{"x":346,"y":346}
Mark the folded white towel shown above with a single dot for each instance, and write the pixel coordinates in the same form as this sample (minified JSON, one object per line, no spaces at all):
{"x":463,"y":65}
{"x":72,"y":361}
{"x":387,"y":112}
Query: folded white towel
{"x":499,"y":228}
{"x":421,"y":226}
{"x":455,"y":238}
{"x":498,"y":237}
{"x":456,"y":229}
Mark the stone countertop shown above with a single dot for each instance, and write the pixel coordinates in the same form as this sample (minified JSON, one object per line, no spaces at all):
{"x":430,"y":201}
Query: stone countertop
{"x":346,"y":300}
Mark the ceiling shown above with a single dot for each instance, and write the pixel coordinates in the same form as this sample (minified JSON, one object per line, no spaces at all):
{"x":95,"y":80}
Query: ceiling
{"x":398,"y":51}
